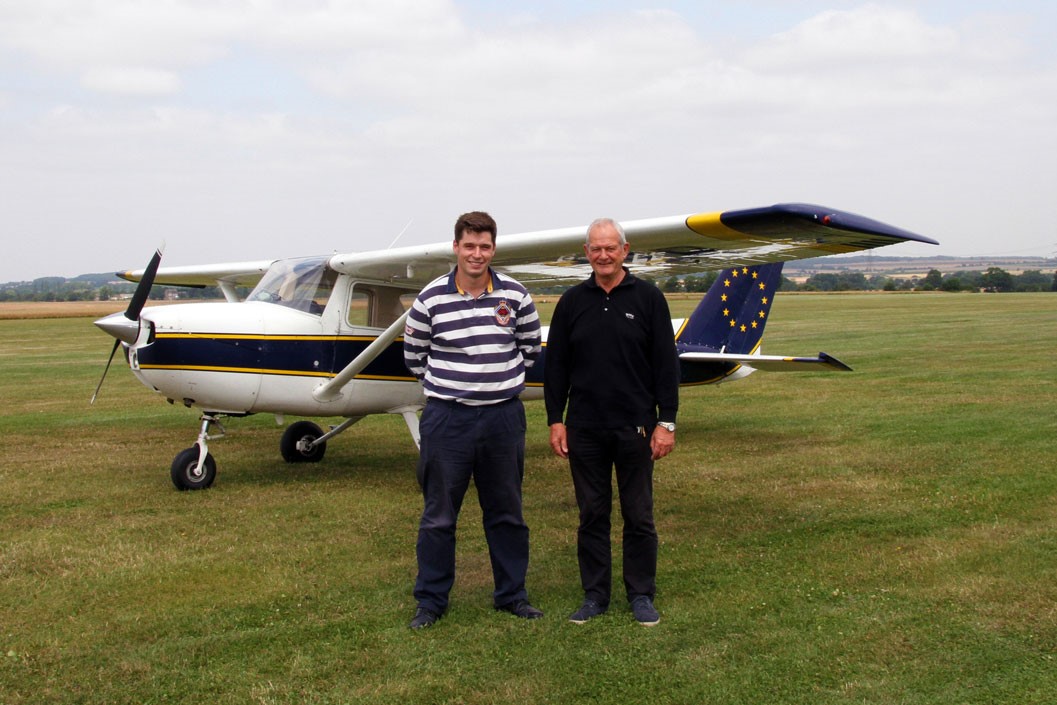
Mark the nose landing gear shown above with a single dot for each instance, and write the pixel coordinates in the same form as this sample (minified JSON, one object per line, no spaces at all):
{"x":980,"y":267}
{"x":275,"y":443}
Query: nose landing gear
{"x":194,"y":468}
{"x":303,"y":442}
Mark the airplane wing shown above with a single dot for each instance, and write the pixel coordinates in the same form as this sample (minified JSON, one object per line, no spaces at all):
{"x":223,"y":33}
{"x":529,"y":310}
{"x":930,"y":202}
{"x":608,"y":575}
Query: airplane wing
{"x":233,"y":273}
{"x":661,"y":247}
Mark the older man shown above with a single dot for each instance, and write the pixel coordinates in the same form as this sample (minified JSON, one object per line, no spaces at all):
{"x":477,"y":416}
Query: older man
{"x":611,"y":358}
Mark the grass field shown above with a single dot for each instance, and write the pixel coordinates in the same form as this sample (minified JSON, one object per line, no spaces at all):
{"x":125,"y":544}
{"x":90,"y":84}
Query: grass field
{"x":883,"y":536}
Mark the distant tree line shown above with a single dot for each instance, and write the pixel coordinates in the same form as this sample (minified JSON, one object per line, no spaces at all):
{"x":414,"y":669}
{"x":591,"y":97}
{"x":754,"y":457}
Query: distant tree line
{"x":994,"y":279}
{"x":103,"y":288}
{"x":90,"y":287}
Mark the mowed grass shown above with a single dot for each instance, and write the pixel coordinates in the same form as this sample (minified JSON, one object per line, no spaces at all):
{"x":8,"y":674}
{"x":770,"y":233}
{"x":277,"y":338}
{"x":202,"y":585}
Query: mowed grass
{"x":882,"y":536}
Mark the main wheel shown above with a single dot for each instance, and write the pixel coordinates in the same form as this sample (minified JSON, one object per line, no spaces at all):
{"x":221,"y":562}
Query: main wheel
{"x":295,"y":442}
{"x":185,"y":472}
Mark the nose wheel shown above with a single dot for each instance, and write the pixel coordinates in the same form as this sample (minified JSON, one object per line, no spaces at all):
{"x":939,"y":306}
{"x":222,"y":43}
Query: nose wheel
{"x":192,"y":472}
{"x":194,"y":467}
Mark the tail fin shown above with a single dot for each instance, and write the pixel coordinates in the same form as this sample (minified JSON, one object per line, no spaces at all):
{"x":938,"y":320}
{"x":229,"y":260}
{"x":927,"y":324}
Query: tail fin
{"x":731,"y":316}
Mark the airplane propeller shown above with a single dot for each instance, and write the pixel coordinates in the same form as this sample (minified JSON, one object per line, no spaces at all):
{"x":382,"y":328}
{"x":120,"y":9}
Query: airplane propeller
{"x":125,"y":326}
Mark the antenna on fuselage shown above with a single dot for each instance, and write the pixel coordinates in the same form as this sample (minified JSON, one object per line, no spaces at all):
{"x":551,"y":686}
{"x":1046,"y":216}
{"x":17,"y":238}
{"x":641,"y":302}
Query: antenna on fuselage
{"x":400,"y":234}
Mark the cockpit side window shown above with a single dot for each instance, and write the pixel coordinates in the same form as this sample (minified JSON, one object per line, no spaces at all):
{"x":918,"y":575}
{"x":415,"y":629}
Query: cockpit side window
{"x":377,"y":305}
{"x":304,"y":284}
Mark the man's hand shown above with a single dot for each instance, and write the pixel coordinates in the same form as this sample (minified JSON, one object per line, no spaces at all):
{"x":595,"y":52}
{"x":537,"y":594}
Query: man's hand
{"x":661,"y":442}
{"x":559,"y":444}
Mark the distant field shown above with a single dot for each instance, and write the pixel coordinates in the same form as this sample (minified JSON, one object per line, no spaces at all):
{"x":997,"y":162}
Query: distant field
{"x":80,"y":309}
{"x":10,"y":310}
{"x":919,"y":266}
{"x":58,"y":309}
{"x":883,"y":536}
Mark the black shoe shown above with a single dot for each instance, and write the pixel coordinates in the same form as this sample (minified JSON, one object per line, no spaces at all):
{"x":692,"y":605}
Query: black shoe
{"x":520,"y":608}
{"x":423,"y":618}
{"x":588,"y":610}
{"x":644,"y":611}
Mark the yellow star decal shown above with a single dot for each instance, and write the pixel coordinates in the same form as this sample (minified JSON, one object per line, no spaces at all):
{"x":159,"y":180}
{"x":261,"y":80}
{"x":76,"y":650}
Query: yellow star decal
{"x":744,"y":270}
{"x":726,"y":312}
{"x":726,"y":282}
{"x":733,"y":323}
{"x":723,"y":297}
{"x":743,"y":328}
{"x":763,"y":287}
{"x":763,"y":315}
{"x":754,"y":324}
{"x":764,"y":301}
{"x":755,"y":275}
{"x":734,"y":273}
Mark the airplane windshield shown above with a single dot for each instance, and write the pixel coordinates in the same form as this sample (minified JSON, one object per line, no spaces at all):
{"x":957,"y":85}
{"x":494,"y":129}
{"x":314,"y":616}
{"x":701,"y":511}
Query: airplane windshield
{"x":304,"y":284}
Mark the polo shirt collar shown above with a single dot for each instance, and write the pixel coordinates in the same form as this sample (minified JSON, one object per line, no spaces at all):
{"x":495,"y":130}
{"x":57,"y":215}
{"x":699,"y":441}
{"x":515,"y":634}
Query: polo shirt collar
{"x":628,"y":280}
{"x":453,"y":285}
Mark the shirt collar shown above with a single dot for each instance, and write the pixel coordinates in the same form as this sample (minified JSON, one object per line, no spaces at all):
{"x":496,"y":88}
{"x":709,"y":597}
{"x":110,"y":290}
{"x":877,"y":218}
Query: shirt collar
{"x":453,"y":285}
{"x":628,"y":279}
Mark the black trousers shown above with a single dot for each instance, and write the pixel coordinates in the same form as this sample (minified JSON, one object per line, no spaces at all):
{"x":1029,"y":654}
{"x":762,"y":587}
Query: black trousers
{"x":593,"y":456}
{"x":485,"y":444}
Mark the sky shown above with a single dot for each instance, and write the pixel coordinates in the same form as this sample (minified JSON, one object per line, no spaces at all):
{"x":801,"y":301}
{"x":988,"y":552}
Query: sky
{"x":233,"y":130}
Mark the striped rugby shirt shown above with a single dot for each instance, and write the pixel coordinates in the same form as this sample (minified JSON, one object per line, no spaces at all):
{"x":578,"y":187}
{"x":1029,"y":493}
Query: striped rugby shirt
{"x":474,"y":351}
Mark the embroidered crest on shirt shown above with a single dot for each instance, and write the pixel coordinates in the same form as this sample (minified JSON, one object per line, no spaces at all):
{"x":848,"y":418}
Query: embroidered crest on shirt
{"x":502,"y":313}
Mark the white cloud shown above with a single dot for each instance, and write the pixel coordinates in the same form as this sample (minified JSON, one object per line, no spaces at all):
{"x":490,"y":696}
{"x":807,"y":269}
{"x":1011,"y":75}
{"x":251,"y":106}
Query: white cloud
{"x":870,"y":35}
{"x":131,"y":81}
{"x":248,"y":129}
{"x":108,"y":41}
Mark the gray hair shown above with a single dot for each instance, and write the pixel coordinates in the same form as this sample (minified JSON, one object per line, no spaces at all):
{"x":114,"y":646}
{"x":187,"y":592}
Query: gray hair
{"x":605,"y":221}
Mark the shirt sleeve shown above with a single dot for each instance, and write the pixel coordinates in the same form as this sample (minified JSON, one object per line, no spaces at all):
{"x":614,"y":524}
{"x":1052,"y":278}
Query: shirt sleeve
{"x":529,"y":336}
{"x":417,"y":332}
{"x":556,"y":367}
{"x":665,"y":361}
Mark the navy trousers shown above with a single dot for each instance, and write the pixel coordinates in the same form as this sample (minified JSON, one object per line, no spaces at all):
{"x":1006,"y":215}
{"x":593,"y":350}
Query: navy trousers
{"x":593,"y":456}
{"x":486,"y":444}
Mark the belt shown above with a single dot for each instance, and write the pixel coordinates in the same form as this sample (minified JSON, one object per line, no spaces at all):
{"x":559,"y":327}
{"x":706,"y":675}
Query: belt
{"x":462,"y":405}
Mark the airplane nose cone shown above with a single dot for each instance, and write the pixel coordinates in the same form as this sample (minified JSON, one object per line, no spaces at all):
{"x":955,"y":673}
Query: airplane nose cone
{"x":122,"y":328}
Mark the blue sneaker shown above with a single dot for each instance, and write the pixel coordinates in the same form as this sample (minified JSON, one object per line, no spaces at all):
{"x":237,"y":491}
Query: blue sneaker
{"x":645,"y":613}
{"x":587,"y":610}
{"x":521,"y":608}
{"x":423,"y":618}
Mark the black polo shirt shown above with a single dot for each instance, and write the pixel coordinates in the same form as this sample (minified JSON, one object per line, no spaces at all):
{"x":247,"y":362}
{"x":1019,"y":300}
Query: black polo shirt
{"x":611,"y":357}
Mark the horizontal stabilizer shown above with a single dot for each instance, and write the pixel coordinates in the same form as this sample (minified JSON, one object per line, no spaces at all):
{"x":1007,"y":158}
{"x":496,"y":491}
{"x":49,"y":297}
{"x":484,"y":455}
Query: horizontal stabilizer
{"x":772,"y":363}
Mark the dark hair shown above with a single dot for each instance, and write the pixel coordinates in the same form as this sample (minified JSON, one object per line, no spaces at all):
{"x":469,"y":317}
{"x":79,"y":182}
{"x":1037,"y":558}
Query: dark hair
{"x":476,"y":222}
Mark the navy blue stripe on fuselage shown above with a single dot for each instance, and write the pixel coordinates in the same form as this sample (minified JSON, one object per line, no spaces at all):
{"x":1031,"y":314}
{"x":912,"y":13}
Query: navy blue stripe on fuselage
{"x":313,"y":356}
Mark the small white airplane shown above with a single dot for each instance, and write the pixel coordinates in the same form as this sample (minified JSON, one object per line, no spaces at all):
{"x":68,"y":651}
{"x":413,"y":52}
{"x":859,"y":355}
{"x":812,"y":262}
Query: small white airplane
{"x":321,"y":336}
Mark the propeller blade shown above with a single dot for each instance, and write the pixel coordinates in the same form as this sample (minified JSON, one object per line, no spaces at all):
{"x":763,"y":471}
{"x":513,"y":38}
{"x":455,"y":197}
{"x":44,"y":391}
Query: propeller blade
{"x":126,"y":328}
{"x":107,"y":369}
{"x":139,"y":298}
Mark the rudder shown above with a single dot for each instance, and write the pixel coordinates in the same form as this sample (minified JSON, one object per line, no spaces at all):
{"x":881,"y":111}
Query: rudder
{"x":732,"y":314}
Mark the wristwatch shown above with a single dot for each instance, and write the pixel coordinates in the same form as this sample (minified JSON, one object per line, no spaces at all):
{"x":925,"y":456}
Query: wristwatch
{"x":667,"y":426}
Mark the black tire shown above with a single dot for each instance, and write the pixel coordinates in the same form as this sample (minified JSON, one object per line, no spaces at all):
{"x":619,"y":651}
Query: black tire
{"x":183,"y":470}
{"x":302,"y":432}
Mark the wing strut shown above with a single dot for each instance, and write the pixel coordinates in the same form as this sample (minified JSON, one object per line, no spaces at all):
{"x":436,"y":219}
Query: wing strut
{"x":331,"y":389}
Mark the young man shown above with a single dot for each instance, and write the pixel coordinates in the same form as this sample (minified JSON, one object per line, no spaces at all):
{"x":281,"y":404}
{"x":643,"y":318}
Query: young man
{"x":611,"y":356}
{"x":470,"y":336}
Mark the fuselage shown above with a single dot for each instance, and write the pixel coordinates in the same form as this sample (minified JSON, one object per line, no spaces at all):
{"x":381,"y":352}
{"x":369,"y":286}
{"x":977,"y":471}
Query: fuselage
{"x":253,"y":357}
